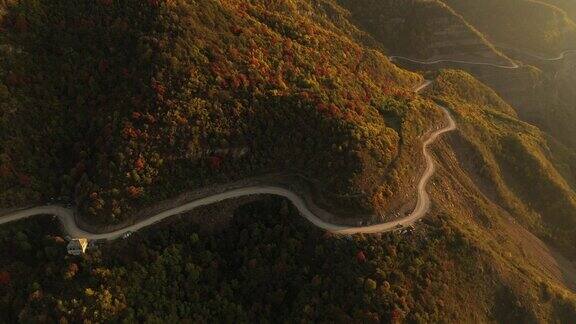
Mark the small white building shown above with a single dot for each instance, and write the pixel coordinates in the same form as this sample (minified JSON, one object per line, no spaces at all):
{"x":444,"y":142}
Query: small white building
{"x":77,"y":246}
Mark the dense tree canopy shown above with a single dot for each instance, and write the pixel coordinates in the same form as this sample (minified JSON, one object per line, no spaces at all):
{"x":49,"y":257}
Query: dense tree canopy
{"x":118,"y":104}
{"x":269,"y":264}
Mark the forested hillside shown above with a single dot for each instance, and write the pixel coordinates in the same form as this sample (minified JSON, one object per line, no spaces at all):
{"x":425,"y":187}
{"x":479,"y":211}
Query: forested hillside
{"x":119,"y":104}
{"x":270,"y":265}
{"x":116,"y":106}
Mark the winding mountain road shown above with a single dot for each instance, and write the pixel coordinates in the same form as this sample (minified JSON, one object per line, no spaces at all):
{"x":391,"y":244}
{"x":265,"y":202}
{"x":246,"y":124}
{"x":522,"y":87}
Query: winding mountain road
{"x":396,"y":58}
{"x":66,"y":215}
{"x":560,"y":56}
{"x":512,"y":66}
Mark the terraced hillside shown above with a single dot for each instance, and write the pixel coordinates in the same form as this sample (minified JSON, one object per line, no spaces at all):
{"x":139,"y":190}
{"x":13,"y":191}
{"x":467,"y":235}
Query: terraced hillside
{"x":422,"y":29}
{"x":526,"y":24}
{"x":431,"y":30}
{"x":567,"y":5}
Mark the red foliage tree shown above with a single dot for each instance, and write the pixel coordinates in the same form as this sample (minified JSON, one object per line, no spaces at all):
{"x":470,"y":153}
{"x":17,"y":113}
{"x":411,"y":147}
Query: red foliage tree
{"x":134,"y":192}
{"x":158,"y":88}
{"x":24,"y":180}
{"x":215,"y":162}
{"x":14,"y":79}
{"x":334,"y":110}
{"x":236,"y":30}
{"x":330,"y":109}
{"x":360,"y":257}
{"x":5,"y":170}
{"x":103,"y":66}
{"x":139,"y":164}
{"x":5,"y":278}
{"x":358,"y":109}
{"x":129,"y":131}
{"x":149,"y":119}
{"x":79,"y":169}
{"x":71,"y":271}
{"x":395,"y":316}
{"x":21,"y":24}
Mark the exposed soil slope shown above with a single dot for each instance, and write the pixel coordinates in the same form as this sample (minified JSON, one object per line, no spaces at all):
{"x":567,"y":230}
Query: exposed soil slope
{"x":514,"y":158}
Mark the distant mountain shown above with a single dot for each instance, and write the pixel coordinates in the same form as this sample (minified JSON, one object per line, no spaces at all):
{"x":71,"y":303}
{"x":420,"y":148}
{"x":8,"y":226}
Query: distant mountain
{"x":534,"y":32}
{"x":525,"y":24}
{"x":422,"y":29}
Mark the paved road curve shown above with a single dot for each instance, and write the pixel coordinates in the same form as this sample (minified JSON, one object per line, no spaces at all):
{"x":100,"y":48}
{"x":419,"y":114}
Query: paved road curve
{"x":512,"y":66}
{"x":557,"y":58}
{"x":66,"y":215}
{"x":560,"y":56}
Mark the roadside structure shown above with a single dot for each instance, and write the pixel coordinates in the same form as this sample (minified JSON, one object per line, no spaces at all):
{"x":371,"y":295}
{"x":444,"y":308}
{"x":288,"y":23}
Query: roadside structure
{"x":77,"y":246}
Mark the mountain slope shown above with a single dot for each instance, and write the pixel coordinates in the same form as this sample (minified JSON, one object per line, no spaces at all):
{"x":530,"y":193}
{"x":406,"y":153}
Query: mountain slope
{"x":556,"y":91}
{"x":469,"y":31}
{"x":165,"y":98}
{"x":525,"y":24}
{"x":267,"y":263}
{"x":119,"y":105}
{"x":511,"y":156}
{"x":567,"y":5}
{"x":422,"y":29}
